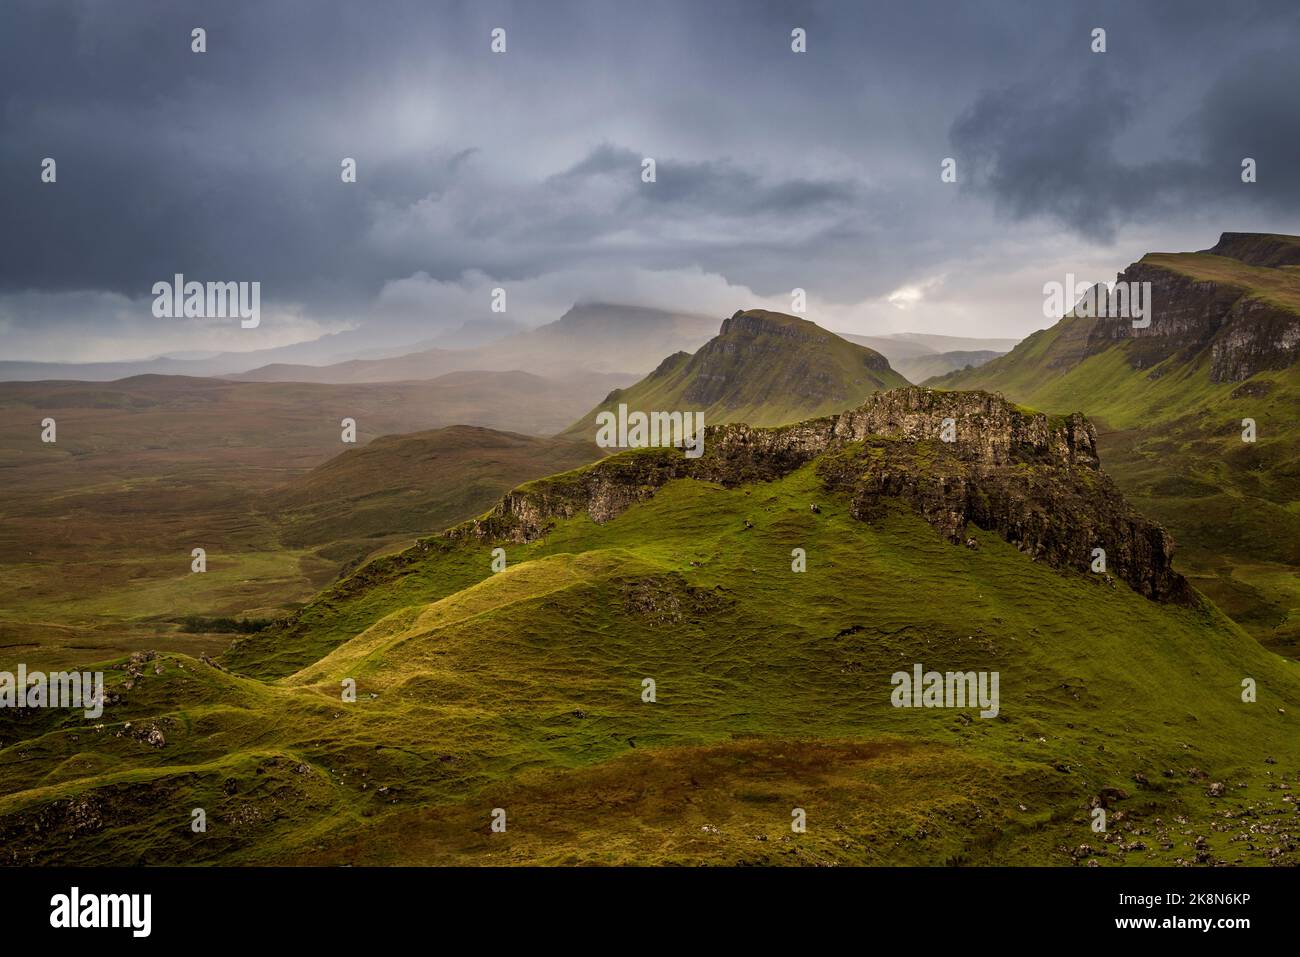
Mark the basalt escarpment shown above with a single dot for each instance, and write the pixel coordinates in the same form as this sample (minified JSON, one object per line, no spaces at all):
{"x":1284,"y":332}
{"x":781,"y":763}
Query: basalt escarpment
{"x":1237,"y":302}
{"x":958,"y":459}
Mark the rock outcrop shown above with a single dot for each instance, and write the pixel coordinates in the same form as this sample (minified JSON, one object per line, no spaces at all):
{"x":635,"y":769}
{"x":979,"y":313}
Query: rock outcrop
{"x":1034,"y":480}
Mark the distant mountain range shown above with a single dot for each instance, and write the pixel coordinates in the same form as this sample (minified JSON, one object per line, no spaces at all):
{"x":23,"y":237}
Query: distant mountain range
{"x":919,"y":356}
{"x":597,"y":337}
{"x":1172,"y":400}
{"x":333,"y":347}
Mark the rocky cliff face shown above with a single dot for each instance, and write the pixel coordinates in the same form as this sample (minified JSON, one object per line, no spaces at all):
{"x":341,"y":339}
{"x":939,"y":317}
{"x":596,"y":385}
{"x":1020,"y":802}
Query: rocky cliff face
{"x":1034,"y":481}
{"x":1240,"y":309}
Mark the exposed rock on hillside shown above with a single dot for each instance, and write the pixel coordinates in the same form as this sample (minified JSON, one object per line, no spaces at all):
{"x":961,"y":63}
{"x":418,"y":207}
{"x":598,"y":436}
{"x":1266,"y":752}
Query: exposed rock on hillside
{"x":1238,"y":299}
{"x":1035,"y":481}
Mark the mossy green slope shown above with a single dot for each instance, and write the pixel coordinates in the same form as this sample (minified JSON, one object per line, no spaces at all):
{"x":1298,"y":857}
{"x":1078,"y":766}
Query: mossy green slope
{"x":763,"y":368}
{"x":522,"y":690}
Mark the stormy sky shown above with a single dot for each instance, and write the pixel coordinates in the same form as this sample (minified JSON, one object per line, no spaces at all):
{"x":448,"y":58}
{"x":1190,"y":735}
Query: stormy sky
{"x":775,"y":170}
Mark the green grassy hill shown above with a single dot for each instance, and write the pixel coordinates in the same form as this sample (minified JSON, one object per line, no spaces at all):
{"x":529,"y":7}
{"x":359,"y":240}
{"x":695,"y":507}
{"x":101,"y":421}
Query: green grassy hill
{"x":763,"y":368}
{"x":522,"y":689}
{"x":1169,"y":402}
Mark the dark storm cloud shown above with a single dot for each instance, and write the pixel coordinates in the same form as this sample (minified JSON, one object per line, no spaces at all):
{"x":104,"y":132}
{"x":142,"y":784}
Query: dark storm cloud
{"x":1252,"y":110}
{"x":1072,"y":149}
{"x":1039,"y":151}
{"x":819,"y":170}
{"x":157,"y":169}
{"x":226,"y":163}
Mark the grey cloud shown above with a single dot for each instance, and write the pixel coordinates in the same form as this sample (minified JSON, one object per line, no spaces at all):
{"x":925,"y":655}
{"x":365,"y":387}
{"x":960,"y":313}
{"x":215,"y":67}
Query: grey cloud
{"x":1075,"y":153}
{"x":774,"y":170}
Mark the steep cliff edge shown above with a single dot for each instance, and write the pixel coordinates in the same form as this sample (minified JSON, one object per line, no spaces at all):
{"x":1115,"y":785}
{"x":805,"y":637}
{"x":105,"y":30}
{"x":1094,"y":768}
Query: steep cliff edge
{"x":1247,"y":316}
{"x":1234,"y":307}
{"x":1035,"y":481}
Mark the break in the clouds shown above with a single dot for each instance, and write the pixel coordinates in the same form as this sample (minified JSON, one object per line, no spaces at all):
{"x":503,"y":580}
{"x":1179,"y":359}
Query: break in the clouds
{"x":773,"y":169}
